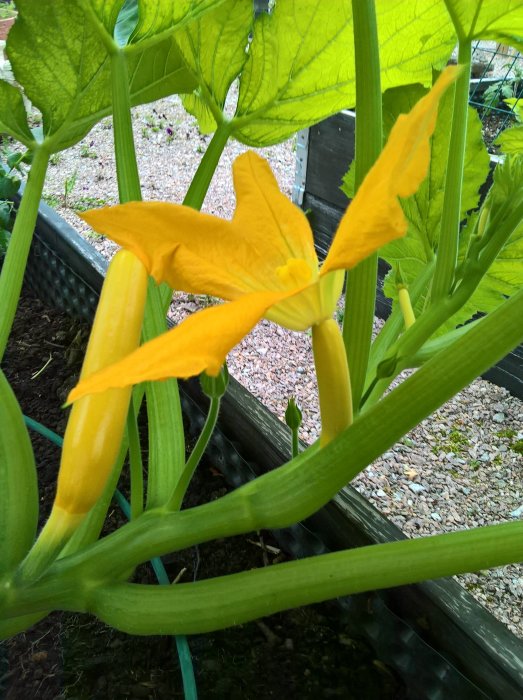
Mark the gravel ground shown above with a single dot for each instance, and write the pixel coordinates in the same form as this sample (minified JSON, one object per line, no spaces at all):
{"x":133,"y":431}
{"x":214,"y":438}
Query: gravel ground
{"x":457,"y":469}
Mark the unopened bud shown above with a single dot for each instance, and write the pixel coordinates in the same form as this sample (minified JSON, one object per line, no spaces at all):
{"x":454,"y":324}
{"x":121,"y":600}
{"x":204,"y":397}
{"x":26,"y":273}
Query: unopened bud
{"x":215,"y":387}
{"x":483,"y":220}
{"x":293,"y":414}
{"x":406,"y":307}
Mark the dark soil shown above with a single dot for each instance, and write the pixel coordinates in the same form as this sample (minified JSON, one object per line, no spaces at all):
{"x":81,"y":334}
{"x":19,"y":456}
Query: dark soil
{"x":493,"y":123}
{"x":304,"y":653}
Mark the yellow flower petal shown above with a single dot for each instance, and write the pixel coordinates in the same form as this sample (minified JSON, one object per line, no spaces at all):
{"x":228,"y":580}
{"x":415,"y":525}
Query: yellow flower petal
{"x":199,"y":344}
{"x":275,"y":228}
{"x":191,"y":251}
{"x":267,"y":247}
{"x":203,"y":254}
{"x":312,"y":305}
{"x":375,"y":217}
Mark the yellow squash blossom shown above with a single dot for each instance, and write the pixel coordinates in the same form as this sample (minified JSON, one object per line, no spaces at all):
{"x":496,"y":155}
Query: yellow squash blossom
{"x":264,"y":264}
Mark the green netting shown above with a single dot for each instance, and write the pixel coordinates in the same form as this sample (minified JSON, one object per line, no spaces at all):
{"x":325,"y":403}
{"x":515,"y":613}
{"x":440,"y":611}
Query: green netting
{"x":498,"y":76}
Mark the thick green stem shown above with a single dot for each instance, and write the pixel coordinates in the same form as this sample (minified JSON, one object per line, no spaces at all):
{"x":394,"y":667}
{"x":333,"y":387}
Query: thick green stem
{"x":135,"y":464}
{"x":13,"y":269}
{"x":164,"y":413}
{"x":360,"y":294}
{"x":168,"y":460}
{"x":295,"y":442}
{"x":228,"y":600}
{"x":175,"y":502}
{"x":129,"y":190}
{"x":126,"y":167}
{"x":18,"y":481}
{"x":204,"y":174}
{"x":167,"y":444}
{"x":451,"y":215}
{"x":360,"y":301}
{"x":369,"y":136}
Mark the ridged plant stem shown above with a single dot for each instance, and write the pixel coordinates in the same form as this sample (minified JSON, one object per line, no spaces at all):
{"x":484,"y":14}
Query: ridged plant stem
{"x":360,"y":294}
{"x":13,"y":269}
{"x":451,"y":216}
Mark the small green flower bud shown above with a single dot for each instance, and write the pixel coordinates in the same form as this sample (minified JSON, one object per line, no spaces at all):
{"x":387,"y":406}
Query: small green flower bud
{"x":406,"y":306}
{"x":386,"y":367}
{"x":215,"y":387}
{"x":293,"y":415}
{"x":483,"y":220}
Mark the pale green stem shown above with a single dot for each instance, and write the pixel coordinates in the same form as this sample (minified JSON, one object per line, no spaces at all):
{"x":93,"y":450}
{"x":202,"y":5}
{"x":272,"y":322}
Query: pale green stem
{"x":13,"y":269}
{"x":175,"y":502}
{"x":223,"y":601}
{"x":18,"y":481}
{"x":129,"y":190}
{"x":211,"y":604}
{"x":164,"y":478}
{"x":451,"y":216}
{"x":295,"y":443}
{"x":135,"y":464}
{"x":126,"y":167}
{"x":167,"y":445}
{"x":360,"y":293}
{"x":204,"y":174}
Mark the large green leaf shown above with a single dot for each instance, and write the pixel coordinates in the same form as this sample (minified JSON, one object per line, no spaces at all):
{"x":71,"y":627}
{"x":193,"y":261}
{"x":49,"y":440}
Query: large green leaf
{"x":107,"y":12}
{"x":13,"y":117}
{"x":300,"y":69}
{"x":423,"y":209}
{"x":301,"y":62}
{"x":64,"y":70}
{"x":488,"y":19}
{"x":156,"y":71}
{"x":414,"y":38}
{"x":67,"y":75}
{"x":156,"y":16}
{"x":511,"y":140}
{"x":215,"y":49}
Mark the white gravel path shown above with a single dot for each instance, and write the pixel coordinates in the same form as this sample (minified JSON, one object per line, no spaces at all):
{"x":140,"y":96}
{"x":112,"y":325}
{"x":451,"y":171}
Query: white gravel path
{"x":457,"y":469}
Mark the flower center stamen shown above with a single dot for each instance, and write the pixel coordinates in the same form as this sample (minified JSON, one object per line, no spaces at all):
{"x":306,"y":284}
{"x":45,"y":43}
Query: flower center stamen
{"x":295,"y":273}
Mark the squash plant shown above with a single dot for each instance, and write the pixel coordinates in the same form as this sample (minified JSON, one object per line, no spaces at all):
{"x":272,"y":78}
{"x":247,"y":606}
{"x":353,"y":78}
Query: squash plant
{"x":295,"y":66}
